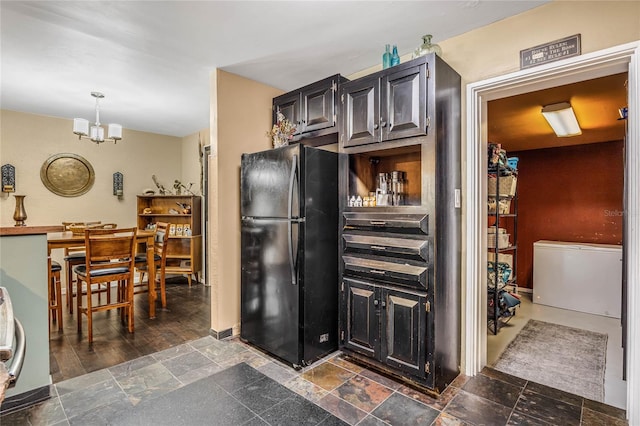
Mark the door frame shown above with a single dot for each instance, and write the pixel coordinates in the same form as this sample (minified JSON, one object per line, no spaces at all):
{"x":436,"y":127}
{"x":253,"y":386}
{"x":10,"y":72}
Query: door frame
{"x":617,"y":59}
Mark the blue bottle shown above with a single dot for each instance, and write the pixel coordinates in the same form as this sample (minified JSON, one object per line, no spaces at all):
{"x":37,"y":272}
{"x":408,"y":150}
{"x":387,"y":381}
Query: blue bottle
{"x":395,"y":58}
{"x":386,"y":57}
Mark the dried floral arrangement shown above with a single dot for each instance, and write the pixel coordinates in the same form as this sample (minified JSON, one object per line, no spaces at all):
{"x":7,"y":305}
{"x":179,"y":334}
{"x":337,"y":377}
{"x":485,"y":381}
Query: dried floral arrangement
{"x":281,"y":132}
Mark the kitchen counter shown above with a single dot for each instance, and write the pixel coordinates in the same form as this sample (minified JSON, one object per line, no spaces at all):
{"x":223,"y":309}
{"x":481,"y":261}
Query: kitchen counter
{"x":23,"y":268}
{"x":29,"y":230}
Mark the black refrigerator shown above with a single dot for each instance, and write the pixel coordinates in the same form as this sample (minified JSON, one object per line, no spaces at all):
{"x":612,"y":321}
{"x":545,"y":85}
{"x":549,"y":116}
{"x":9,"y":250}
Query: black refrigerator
{"x":289,"y":243}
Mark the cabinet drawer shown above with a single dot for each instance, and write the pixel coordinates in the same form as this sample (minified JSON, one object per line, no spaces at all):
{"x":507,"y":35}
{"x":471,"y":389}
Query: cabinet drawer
{"x":397,"y":273}
{"x":386,"y":246}
{"x":409,"y":222}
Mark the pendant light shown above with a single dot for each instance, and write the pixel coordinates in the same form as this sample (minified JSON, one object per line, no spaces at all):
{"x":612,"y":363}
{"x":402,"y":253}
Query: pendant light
{"x":96,"y":132}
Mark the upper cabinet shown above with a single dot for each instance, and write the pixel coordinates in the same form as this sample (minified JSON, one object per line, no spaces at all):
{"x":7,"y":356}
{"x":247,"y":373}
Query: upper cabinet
{"x":387,"y":105}
{"x":314,"y":108}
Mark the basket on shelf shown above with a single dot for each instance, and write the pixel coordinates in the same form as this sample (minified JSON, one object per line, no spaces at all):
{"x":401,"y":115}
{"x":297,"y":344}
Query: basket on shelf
{"x":503,"y":240}
{"x":507,"y":185}
{"x":505,"y":205}
{"x":502,"y":258}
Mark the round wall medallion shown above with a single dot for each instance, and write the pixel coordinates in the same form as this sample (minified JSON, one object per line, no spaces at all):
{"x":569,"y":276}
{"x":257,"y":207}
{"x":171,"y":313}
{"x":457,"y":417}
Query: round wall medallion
{"x":68,"y":175}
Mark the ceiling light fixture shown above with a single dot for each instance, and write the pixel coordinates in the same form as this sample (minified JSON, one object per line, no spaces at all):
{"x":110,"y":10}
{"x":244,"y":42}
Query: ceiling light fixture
{"x":81,"y":126}
{"x":562,"y":119}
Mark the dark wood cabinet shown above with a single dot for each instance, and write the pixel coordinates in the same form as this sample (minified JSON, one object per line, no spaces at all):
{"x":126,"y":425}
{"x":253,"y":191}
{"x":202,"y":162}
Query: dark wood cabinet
{"x":360,"y":101}
{"x":386,"y":266}
{"x":404,"y":319}
{"x":289,"y":105}
{"x":385,"y":323}
{"x":400,"y":306}
{"x":362,"y":328}
{"x":313,"y":108}
{"x":404,"y":97}
{"x":388,"y":105}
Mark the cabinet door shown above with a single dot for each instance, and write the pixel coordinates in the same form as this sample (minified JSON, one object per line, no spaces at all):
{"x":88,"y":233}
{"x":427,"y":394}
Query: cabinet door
{"x":403,"y":104}
{"x":404,"y":325}
{"x":318,"y":106}
{"x":360,"y":112}
{"x":362,"y":324}
{"x":289,"y":105}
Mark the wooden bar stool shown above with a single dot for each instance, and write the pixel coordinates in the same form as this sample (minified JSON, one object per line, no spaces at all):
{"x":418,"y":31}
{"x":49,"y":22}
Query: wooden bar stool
{"x":55,"y":295}
{"x":74,"y":256}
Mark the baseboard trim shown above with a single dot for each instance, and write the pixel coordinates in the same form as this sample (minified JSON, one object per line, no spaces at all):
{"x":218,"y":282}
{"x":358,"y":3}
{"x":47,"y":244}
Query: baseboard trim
{"x":223,"y":334}
{"x":24,"y":400}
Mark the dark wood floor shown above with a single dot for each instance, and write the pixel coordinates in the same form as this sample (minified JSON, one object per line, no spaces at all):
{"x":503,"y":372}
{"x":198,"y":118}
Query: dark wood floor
{"x":187,"y":318}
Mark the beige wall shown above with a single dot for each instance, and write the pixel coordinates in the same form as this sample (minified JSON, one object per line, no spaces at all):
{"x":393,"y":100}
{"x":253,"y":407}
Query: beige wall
{"x":192,"y":172}
{"x":494,"y":49}
{"x":192,"y":159}
{"x":240,"y":118}
{"x":27,"y":140}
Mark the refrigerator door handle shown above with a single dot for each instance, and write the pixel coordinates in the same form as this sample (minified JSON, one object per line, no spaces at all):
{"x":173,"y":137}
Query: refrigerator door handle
{"x":292,"y":180}
{"x":292,"y":266}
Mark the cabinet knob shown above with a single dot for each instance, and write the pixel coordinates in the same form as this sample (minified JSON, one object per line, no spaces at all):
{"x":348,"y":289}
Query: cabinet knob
{"x":383,"y":123}
{"x":375,"y":126}
{"x":375,"y":303}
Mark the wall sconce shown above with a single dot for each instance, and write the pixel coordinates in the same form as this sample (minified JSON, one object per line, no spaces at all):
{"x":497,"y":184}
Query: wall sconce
{"x":562,"y":119}
{"x":118,"y":184}
{"x":8,"y":178}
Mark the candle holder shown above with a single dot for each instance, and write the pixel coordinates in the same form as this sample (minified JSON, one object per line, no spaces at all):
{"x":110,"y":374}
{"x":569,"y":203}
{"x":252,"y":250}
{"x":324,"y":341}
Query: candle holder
{"x":8,"y":178}
{"x":118,"y":184}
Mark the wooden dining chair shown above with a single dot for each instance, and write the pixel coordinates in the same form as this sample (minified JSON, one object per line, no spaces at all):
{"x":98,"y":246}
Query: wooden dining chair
{"x":110,"y":257}
{"x":160,"y":240}
{"x":74,"y":256}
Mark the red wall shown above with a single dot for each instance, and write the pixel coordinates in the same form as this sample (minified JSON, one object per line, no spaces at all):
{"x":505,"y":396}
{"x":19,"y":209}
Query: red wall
{"x":572,"y":193}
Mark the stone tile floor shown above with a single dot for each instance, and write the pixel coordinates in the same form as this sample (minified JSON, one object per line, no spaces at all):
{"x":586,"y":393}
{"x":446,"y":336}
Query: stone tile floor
{"x":350,"y":392}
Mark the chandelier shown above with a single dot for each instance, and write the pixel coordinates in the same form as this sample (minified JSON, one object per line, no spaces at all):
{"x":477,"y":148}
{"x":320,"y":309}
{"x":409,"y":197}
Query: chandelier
{"x":96,"y":132}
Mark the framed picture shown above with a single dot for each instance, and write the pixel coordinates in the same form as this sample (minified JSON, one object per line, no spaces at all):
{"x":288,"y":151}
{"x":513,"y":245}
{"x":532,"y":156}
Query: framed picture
{"x":179,"y":230}
{"x":172,"y":230}
{"x":186,"y":230}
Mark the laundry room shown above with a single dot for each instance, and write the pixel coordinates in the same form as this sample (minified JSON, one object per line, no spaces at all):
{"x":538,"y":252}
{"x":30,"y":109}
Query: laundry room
{"x":556,"y":230}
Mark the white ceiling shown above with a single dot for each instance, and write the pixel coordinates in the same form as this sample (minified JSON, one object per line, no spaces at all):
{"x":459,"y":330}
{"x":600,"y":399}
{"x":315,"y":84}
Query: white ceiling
{"x":152,"y":59}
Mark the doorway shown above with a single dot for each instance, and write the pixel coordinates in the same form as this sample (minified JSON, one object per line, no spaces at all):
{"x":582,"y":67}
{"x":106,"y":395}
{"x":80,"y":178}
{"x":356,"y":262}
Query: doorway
{"x":598,"y":64}
{"x":569,"y":191}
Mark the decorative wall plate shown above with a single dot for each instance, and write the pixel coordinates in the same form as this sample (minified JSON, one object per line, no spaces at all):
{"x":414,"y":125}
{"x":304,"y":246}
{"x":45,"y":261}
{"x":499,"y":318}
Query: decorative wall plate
{"x":68,"y":175}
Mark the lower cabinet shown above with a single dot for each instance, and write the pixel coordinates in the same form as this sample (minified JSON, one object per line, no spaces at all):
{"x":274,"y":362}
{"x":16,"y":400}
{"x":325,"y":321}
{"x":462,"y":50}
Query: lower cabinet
{"x":390,"y":316}
{"x":388,"y":325}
